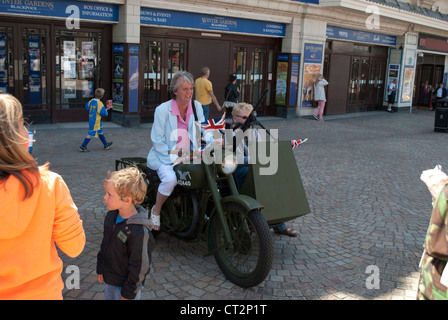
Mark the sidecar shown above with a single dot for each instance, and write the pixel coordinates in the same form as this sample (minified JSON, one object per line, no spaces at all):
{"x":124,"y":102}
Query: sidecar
{"x":281,"y":193}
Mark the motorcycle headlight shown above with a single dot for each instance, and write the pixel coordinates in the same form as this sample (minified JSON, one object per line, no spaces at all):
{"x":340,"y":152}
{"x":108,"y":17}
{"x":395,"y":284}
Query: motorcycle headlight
{"x":229,"y":164}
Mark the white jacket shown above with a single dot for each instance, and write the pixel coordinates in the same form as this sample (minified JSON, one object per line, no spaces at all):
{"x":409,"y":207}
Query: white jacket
{"x":164,"y":134}
{"x":319,"y":92}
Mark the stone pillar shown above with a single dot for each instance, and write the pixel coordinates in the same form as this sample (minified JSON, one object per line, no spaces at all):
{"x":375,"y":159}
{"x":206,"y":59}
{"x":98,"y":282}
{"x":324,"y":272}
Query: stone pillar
{"x":312,"y":31}
{"x":406,"y":57}
{"x":126,"y":42}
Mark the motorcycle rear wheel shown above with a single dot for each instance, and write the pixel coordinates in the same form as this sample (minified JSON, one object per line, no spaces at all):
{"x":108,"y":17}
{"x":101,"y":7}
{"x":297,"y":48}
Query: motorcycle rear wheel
{"x":248,"y":260}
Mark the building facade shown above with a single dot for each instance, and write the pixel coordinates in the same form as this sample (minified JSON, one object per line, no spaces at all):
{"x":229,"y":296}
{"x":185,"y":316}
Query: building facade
{"x":53,"y":54}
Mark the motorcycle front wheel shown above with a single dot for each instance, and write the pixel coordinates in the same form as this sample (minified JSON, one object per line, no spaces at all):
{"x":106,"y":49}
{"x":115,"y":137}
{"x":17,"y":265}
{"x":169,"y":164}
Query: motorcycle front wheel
{"x":246,"y":261}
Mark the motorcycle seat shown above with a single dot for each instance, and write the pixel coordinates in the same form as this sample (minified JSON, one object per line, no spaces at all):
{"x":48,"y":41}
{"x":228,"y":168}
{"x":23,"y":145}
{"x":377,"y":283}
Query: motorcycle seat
{"x":150,"y":173}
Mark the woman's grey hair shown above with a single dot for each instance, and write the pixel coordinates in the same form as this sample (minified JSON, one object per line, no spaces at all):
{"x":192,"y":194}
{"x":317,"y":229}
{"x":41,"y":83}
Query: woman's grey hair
{"x":174,"y":85}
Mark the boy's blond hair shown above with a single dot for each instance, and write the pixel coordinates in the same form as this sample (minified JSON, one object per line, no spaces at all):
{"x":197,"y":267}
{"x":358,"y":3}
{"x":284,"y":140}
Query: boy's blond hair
{"x":242,"y":106}
{"x":129,"y":182}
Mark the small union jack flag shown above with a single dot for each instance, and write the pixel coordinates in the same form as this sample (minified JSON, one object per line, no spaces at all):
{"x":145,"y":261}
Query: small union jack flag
{"x":298,"y":142}
{"x":215,"y":124}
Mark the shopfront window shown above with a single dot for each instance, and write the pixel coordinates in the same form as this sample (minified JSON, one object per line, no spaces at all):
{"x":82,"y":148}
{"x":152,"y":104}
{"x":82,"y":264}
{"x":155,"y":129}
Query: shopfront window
{"x":162,"y":59}
{"x":152,"y":73}
{"x":6,"y":61}
{"x":23,"y":65}
{"x":258,"y":61}
{"x":34,"y":67}
{"x":78,"y":67}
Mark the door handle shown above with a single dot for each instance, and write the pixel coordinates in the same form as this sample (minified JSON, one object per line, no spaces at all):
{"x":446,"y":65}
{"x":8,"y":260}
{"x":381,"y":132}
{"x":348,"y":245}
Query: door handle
{"x":16,"y":69}
{"x":163,"y":76}
{"x":20,"y":62}
{"x":166,"y":76}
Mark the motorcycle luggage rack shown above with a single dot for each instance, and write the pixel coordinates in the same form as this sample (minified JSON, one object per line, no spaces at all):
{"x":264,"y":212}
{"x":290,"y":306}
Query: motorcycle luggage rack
{"x":139,"y":162}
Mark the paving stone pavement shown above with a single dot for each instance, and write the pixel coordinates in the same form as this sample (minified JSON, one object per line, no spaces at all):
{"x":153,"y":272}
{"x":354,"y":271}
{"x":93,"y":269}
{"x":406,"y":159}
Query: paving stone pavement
{"x":361,"y":174}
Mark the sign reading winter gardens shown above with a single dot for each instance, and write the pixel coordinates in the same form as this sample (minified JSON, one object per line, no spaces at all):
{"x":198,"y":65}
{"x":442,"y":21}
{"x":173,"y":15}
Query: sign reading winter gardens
{"x":62,"y":8}
{"x":192,"y":20}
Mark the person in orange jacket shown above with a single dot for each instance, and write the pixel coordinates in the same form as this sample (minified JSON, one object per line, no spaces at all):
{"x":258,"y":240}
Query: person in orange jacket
{"x":36,"y":214}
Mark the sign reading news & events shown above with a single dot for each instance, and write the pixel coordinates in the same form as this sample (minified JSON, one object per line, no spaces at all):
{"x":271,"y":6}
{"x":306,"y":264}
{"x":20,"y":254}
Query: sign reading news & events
{"x":87,"y":10}
{"x":192,"y":20}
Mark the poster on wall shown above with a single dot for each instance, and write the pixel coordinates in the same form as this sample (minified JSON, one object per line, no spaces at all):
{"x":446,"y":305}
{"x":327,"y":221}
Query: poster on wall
{"x":282,"y":78}
{"x":394,"y":71}
{"x":133,"y":84}
{"x":69,"y":90}
{"x":312,"y":64}
{"x":409,"y":58}
{"x":408,"y":83}
{"x":34,"y":69}
{"x":87,"y":50}
{"x":69,"y":68}
{"x":3,"y":55}
{"x":87,"y":89}
{"x":70,"y":49}
{"x":310,"y":73}
{"x":118,"y":78}
{"x":293,"y":86}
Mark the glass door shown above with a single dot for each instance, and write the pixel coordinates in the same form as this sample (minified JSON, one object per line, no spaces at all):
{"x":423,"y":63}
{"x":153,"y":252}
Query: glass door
{"x":375,"y":87}
{"x":359,"y":75}
{"x":152,"y":74}
{"x":7,"y":81}
{"x":24,"y":66}
{"x":162,"y":58}
{"x":78,"y":68}
{"x":33,"y":68}
{"x":249,"y":63}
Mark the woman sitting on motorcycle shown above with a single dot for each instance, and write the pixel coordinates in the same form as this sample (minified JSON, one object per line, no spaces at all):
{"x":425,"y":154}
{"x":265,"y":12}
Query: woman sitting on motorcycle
{"x":173,"y":130}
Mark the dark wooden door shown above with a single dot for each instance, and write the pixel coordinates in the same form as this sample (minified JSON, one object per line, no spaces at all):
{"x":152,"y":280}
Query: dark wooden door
{"x":213,"y":54}
{"x":338,"y":78}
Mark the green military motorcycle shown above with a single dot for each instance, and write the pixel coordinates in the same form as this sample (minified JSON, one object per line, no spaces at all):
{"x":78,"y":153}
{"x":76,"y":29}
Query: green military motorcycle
{"x":236,"y":223}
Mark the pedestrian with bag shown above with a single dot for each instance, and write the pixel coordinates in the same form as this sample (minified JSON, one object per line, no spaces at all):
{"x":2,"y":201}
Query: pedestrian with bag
{"x":231,"y":95}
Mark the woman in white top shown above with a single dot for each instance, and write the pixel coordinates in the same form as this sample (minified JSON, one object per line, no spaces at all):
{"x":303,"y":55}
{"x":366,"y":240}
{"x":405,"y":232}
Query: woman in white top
{"x":319,"y":96}
{"x":174,"y":129}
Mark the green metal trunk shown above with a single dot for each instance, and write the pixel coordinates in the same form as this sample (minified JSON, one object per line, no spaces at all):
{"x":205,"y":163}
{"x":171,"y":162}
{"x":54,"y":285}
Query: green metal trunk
{"x":282,"y":193}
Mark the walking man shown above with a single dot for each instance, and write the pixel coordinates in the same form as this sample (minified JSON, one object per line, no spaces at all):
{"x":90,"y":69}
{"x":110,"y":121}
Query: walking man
{"x":204,"y":92}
